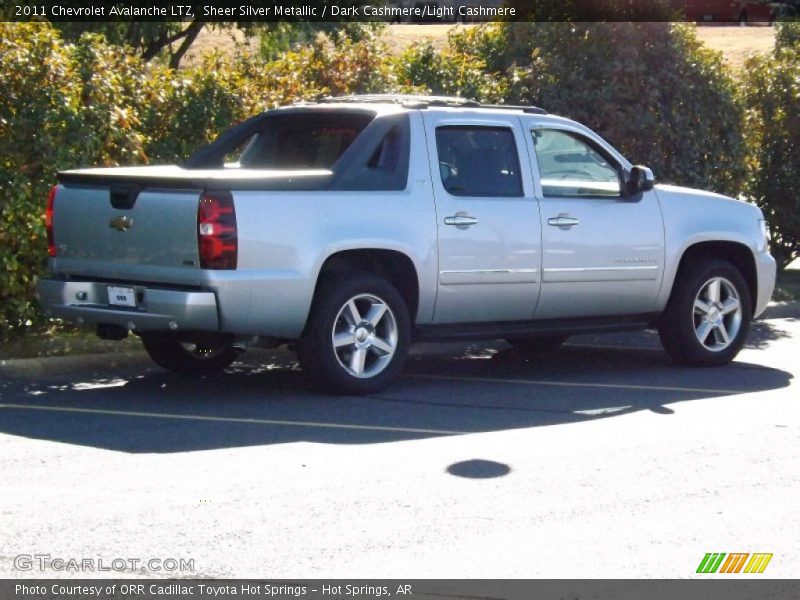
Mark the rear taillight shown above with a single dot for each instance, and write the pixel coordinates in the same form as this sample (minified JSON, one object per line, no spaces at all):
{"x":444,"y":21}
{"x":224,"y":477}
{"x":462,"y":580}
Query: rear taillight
{"x":48,"y":221}
{"x":217,"y":239}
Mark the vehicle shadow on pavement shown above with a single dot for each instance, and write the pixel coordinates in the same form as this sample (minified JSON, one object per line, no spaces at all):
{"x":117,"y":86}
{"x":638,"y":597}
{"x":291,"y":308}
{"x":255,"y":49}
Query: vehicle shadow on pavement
{"x":762,"y":333}
{"x":462,"y":389}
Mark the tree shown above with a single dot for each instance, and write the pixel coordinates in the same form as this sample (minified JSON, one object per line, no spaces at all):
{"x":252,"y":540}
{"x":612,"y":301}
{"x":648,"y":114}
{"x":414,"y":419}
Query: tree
{"x":147,"y":39}
{"x":652,"y":89}
{"x":150,"y":39}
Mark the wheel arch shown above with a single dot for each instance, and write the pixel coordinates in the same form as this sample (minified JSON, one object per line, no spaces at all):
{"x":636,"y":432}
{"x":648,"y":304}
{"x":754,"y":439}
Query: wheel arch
{"x":736,"y":253}
{"x":394,"y":266}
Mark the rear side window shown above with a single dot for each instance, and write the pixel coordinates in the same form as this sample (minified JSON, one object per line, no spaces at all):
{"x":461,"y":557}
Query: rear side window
{"x":379,"y":160}
{"x":478,"y":161}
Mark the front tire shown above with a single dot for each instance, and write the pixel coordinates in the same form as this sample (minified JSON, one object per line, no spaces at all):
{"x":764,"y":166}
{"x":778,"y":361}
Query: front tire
{"x":708,"y":316}
{"x":357,"y":337}
{"x":189,"y":354}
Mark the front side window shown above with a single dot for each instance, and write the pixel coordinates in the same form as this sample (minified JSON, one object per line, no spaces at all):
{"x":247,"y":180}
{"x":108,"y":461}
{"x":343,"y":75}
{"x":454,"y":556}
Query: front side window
{"x":570,"y":166}
{"x":478,"y":161}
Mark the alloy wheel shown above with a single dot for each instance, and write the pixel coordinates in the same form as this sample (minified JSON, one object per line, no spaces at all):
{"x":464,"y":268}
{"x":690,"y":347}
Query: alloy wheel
{"x":364,"y":336}
{"x":717,"y":314}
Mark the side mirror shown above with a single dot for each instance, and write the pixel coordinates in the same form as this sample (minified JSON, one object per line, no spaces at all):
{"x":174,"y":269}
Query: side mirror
{"x":640,"y":179}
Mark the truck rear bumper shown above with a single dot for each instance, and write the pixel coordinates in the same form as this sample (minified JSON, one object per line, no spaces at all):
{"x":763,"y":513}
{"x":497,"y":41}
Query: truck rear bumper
{"x":87,"y":303}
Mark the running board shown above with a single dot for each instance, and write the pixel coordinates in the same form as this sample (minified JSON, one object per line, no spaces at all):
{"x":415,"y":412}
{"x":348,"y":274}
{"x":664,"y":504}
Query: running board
{"x":503,"y":329}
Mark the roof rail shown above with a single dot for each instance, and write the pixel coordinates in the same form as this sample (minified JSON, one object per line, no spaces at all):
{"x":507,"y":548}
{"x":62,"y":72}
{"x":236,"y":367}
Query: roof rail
{"x":422,"y":101}
{"x":535,"y":110}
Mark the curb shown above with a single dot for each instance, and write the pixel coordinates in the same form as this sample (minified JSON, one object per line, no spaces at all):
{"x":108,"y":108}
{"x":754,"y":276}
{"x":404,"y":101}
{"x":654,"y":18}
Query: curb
{"x":58,"y":365}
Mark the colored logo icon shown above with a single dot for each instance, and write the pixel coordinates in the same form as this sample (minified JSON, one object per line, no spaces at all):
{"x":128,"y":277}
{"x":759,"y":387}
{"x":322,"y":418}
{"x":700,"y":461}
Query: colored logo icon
{"x":737,"y":562}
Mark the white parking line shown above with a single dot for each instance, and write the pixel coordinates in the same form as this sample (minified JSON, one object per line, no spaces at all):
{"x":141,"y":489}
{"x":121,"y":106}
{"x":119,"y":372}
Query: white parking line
{"x":622,"y":386}
{"x":250,"y":421}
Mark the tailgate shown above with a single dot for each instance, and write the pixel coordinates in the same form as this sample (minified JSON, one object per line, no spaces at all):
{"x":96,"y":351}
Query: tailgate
{"x":118,"y":224}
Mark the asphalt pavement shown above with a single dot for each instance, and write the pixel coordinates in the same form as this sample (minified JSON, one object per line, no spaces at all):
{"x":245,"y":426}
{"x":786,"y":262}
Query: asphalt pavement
{"x":600,"y":460}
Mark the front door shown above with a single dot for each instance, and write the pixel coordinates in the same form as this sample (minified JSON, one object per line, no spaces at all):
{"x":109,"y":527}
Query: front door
{"x":603,"y":252}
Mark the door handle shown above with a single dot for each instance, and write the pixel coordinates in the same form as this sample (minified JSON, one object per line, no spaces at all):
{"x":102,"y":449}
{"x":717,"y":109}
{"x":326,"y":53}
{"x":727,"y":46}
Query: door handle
{"x":563,"y":221}
{"x":461,"y":220}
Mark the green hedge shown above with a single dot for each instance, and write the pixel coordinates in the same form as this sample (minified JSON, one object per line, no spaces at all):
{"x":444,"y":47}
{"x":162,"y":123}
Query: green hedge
{"x":54,"y":114}
{"x":469,"y":66}
{"x":651,"y":89}
{"x":772,"y":96}
{"x":90,"y":103}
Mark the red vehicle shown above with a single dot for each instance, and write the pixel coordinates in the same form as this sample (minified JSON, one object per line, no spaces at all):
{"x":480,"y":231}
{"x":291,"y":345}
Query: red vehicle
{"x":742,"y":11}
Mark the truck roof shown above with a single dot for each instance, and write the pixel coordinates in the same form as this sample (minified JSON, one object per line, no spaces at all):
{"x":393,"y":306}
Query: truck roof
{"x":420,"y":102}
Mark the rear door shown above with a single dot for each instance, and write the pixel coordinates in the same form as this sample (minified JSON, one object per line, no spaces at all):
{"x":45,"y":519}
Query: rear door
{"x":487,"y":218}
{"x":603,"y":252}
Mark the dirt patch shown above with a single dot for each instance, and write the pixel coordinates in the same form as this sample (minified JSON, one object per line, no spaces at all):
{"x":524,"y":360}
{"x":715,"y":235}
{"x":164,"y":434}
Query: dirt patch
{"x":734,"y":42}
{"x":402,"y":37}
{"x":225,"y":41}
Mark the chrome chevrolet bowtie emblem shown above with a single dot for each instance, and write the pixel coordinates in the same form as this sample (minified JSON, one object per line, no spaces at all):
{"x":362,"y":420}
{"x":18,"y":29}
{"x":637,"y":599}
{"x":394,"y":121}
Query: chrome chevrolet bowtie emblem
{"x":121,"y":223}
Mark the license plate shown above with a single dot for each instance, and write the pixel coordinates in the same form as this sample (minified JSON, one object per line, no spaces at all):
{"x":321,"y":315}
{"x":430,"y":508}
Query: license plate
{"x":121,"y":296}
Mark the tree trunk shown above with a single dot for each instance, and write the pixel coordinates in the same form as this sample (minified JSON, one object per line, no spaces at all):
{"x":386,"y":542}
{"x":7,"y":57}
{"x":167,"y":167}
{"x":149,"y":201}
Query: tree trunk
{"x":191,"y":35}
{"x":154,"y":47}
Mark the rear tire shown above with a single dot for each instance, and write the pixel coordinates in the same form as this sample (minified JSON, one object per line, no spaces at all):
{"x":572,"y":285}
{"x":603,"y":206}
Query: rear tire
{"x":538,"y":344}
{"x":189,"y":354}
{"x":357,"y":337}
{"x":708,"y":316}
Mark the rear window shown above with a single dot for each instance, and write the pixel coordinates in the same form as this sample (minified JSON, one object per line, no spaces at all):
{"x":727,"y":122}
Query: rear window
{"x":301,"y":139}
{"x":298,"y":147}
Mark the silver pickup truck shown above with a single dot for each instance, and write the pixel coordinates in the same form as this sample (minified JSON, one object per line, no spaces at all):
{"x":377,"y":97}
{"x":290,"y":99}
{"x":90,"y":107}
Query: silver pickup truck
{"x":352,"y":226}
